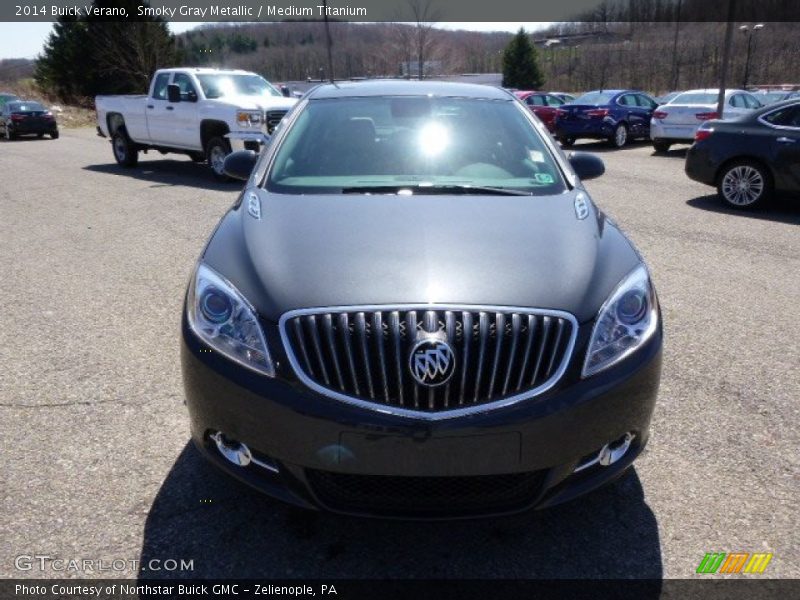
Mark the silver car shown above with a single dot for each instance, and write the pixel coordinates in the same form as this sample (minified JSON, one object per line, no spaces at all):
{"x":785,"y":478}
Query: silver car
{"x":677,"y":121}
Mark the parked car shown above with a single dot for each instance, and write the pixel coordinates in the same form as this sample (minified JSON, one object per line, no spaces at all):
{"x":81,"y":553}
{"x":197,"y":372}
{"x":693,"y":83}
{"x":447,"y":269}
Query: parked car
{"x":614,"y":115}
{"x":24,"y":117}
{"x":205,"y":113}
{"x":543,"y":105}
{"x":7,"y":97}
{"x":416,"y":310}
{"x":666,"y":97}
{"x":766,"y":97}
{"x":565,"y":97}
{"x":750,"y":157}
{"x":677,"y":121}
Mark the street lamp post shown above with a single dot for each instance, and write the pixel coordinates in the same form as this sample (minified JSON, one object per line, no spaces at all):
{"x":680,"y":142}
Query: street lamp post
{"x":749,"y":33}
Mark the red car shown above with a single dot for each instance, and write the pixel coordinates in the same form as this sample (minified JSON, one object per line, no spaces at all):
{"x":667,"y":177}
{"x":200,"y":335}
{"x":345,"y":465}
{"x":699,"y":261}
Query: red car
{"x":543,"y":105}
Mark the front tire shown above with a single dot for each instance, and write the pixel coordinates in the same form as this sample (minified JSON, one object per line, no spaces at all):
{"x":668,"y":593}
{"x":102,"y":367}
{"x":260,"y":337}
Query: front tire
{"x":125,"y":151}
{"x":661,"y":145}
{"x":217,"y":149}
{"x":744,"y":184}
{"x":10,"y":135}
{"x":566,"y":141}
{"x":620,"y":136}
{"x":54,"y":135}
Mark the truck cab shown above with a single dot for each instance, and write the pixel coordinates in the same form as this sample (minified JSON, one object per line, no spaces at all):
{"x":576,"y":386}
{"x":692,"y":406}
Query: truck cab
{"x":204,"y":113}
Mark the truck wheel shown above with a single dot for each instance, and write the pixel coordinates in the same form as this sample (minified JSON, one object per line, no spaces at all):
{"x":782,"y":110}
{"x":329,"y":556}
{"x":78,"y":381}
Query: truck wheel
{"x":217,"y":149}
{"x":124,"y":149}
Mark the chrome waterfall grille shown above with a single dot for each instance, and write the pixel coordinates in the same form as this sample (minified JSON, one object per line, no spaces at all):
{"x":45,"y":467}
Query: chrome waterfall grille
{"x":273,"y":118}
{"x":365,"y":355}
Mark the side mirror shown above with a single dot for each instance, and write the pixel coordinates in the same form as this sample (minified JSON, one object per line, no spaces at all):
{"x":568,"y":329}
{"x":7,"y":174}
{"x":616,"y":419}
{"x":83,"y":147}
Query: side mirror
{"x":173,"y":92}
{"x":286,"y":91}
{"x":585,"y":165}
{"x":240,"y":164}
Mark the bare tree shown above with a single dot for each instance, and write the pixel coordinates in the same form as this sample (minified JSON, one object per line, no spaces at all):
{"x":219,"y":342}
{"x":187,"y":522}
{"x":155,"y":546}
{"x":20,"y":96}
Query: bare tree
{"x":425,"y":16}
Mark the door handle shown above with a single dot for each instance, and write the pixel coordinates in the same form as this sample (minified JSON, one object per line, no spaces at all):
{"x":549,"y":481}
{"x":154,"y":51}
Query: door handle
{"x":786,"y":140}
{"x":150,"y":106}
{"x":170,"y":108}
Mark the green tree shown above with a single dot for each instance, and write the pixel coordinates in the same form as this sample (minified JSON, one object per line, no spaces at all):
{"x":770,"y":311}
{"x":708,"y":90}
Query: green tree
{"x":92,"y":55}
{"x":520,"y":68}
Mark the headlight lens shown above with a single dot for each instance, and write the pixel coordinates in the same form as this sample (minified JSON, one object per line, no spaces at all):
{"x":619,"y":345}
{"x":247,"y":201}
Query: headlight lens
{"x":248,"y":118}
{"x":223,"y":319}
{"x":626,"y":321}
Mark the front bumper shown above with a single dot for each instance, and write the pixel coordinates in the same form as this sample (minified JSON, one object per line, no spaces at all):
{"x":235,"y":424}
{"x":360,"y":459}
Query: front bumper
{"x":247,"y":140}
{"x":316,"y":443}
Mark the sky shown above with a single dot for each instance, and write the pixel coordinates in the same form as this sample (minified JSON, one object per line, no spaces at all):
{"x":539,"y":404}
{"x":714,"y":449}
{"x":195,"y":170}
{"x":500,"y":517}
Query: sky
{"x":25,"y":40}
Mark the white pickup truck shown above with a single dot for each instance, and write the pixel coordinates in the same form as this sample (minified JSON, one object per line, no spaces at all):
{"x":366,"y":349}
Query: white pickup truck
{"x":205,"y":113}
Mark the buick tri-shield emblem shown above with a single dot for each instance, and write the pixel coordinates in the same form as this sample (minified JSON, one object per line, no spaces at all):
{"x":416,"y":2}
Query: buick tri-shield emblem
{"x":432,"y":362}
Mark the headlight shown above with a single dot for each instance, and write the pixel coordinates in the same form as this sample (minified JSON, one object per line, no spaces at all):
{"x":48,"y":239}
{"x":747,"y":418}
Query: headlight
{"x":248,"y":118}
{"x":224,"y":320}
{"x":626,"y":321}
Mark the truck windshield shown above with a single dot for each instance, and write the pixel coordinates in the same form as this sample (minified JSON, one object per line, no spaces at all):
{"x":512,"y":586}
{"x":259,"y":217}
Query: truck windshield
{"x":410,"y":144}
{"x":219,"y":86}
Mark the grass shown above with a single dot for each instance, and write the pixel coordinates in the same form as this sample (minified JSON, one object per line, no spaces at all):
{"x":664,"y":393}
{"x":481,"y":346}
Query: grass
{"x":68,"y":116}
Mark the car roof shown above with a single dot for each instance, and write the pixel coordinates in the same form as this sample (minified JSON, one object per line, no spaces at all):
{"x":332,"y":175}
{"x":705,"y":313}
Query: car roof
{"x":395,"y":87}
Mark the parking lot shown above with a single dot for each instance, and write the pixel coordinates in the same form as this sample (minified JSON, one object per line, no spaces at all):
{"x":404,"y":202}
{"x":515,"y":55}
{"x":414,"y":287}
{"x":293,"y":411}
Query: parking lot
{"x":96,"y":461}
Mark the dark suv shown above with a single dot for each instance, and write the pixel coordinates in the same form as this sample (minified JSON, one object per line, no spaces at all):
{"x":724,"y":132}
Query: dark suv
{"x":414,"y":309}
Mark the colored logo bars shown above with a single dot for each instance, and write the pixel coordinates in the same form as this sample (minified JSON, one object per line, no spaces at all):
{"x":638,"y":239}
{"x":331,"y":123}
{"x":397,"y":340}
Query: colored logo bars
{"x":735,"y":562}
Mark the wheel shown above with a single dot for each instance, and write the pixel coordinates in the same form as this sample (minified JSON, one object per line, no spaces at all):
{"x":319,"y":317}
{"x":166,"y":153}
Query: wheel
{"x":566,"y":141}
{"x":744,"y":184}
{"x":124,"y":149}
{"x":40,"y":135}
{"x":661,"y":145}
{"x":54,"y":135}
{"x":217,"y":149}
{"x":10,"y":135}
{"x":620,"y":136}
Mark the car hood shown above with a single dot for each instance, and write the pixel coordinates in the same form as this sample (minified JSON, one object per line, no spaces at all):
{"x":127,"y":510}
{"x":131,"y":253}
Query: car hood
{"x":259,"y":102}
{"x":340,"y":250}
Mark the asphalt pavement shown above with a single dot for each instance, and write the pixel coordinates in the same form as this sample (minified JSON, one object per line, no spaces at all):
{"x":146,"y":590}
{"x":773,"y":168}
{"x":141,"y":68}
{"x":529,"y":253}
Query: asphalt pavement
{"x":95,"y":459}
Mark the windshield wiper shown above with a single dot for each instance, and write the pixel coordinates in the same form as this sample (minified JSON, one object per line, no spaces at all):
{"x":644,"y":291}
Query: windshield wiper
{"x":417,"y":189}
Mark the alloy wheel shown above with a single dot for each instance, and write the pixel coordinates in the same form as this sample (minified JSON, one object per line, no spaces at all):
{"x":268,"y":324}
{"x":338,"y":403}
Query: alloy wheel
{"x":743,"y":185}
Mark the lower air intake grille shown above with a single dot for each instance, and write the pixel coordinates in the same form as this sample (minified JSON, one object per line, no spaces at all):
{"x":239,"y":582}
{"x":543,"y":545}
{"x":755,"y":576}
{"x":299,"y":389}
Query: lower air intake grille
{"x":273,"y":118}
{"x":491,"y":355}
{"x":425,"y":496}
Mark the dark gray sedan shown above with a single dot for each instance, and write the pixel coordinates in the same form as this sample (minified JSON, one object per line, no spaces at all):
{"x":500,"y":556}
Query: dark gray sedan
{"x":414,"y":309}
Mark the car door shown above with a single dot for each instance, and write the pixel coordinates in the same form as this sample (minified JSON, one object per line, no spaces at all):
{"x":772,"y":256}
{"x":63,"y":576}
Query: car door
{"x":736,"y":106}
{"x":784,"y":128}
{"x":185,"y":125}
{"x":631,"y":114}
{"x":647,"y":105}
{"x":158,"y":111}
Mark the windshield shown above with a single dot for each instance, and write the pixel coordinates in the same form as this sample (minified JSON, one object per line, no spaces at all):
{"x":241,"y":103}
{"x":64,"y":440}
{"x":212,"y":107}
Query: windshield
{"x":385,"y":144}
{"x":696,"y":98}
{"x":594,"y":98}
{"x":219,"y":86}
{"x":26,"y":107}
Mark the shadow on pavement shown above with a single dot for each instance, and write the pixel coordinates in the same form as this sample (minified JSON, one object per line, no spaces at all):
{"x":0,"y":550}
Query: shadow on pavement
{"x":782,"y":209}
{"x":228,"y":530}
{"x":168,"y":173}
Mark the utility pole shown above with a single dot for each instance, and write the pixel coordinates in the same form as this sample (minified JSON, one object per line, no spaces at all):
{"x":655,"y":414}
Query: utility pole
{"x":750,"y":33}
{"x":726,"y":51}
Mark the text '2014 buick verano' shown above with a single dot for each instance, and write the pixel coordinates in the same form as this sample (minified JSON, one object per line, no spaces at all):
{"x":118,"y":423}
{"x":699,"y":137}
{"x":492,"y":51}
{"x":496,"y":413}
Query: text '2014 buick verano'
{"x":414,"y":309}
